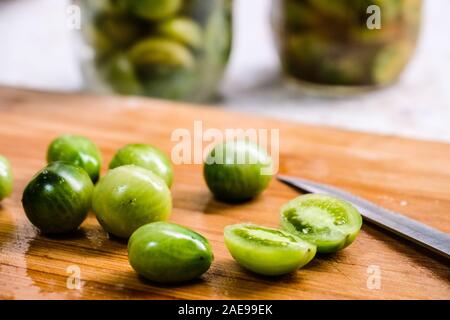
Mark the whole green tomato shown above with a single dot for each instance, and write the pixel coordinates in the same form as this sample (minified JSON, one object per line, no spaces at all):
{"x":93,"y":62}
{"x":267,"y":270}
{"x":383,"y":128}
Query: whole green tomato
{"x":237,"y":170}
{"x":76,"y":150}
{"x":168,"y":253}
{"x":128,"y":197}
{"x":6,"y":178}
{"x":147,"y":157}
{"x":156,"y":52}
{"x":58,"y":198}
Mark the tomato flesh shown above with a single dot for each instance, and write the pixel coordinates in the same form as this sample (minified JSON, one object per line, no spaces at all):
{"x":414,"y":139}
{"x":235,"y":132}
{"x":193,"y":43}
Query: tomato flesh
{"x":327,"y":222}
{"x":267,"y":251}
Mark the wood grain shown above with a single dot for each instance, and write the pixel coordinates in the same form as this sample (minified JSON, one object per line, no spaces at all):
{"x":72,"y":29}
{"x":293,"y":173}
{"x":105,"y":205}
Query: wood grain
{"x":412,"y":177}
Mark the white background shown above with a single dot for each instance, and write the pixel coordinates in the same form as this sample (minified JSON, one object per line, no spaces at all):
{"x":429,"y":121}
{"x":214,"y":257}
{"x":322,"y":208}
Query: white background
{"x":36,"y":50}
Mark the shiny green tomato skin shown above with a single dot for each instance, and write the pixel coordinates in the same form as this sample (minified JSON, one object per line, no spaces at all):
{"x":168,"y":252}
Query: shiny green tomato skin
{"x":129,"y":197}
{"x":267,"y":251}
{"x":147,"y":157}
{"x":168,"y":253}
{"x":58,"y":198}
{"x":327,"y":222}
{"x":232,"y":180}
{"x":76,"y":150}
{"x":6,"y":178}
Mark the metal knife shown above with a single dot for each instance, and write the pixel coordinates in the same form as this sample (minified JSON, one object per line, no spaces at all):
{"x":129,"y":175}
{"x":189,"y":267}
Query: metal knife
{"x":419,"y":233}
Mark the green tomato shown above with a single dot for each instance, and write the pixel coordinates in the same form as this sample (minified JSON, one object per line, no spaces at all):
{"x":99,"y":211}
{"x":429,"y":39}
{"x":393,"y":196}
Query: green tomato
{"x":58,"y":198}
{"x":298,"y":14}
{"x":345,"y":70}
{"x":76,"y":150}
{"x":237,"y":170}
{"x":200,"y":10}
{"x":305,"y":51}
{"x":167,"y":82}
{"x":129,"y":197}
{"x":267,"y":251}
{"x":6,"y":178}
{"x":115,"y":6}
{"x":119,"y":73}
{"x":147,"y":157}
{"x":156,"y":51}
{"x":341,"y":10}
{"x":102,"y":45}
{"x":154,"y":9}
{"x":391,"y":10}
{"x":108,"y":6}
{"x":330,"y":223}
{"x":390,"y":61}
{"x":184,"y":30}
{"x":168,"y":253}
{"x":120,"y":30}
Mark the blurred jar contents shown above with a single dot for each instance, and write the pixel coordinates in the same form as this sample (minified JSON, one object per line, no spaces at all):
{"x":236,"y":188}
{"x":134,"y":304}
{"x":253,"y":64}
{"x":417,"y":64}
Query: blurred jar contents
{"x":337,"y":43}
{"x":173,"y":49}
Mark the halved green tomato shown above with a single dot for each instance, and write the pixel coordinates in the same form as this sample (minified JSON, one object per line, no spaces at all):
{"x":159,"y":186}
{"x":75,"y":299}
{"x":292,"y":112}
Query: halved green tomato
{"x":327,"y":222}
{"x":267,"y":251}
{"x":6,"y":178}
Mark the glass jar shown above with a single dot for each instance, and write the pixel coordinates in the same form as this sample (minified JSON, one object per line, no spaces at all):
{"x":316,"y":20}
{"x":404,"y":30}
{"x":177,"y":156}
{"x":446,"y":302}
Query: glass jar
{"x":328,"y":45}
{"x":172,"y":49}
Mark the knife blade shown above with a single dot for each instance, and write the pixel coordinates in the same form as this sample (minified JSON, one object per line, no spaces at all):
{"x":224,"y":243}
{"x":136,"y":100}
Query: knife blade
{"x":419,"y":233}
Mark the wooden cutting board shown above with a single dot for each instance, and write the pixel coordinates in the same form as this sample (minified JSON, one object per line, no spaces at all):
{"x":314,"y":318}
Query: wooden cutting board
{"x":411,"y":177}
